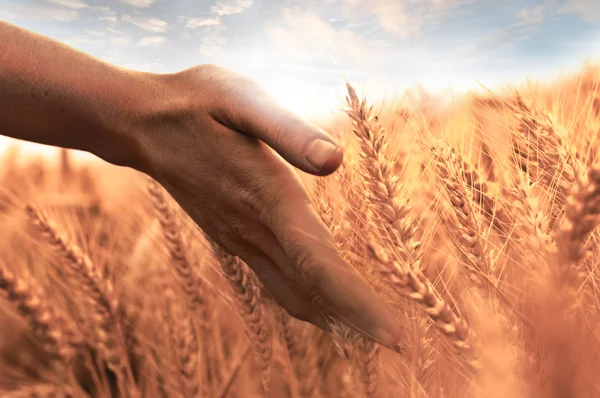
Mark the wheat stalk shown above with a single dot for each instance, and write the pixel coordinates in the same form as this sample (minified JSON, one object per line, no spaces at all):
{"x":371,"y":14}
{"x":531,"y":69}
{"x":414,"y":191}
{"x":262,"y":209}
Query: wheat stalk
{"x":54,"y":329}
{"x":248,"y":305}
{"x":106,"y":330}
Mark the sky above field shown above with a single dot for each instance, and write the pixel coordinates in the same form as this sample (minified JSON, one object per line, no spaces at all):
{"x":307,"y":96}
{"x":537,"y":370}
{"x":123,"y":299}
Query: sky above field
{"x":302,"y":49}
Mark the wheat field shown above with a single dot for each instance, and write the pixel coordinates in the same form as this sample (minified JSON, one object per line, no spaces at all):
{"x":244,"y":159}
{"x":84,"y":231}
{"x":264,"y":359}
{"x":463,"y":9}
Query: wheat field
{"x":475,"y":220}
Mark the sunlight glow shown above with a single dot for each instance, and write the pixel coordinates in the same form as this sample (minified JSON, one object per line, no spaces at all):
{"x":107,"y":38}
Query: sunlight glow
{"x":302,"y":94}
{"x":28,"y":149}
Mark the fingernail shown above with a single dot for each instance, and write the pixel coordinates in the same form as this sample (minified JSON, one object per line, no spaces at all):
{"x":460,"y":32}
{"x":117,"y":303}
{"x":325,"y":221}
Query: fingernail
{"x":319,"y":152}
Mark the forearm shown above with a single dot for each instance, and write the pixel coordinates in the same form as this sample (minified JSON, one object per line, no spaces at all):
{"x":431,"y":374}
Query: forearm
{"x":55,"y":95}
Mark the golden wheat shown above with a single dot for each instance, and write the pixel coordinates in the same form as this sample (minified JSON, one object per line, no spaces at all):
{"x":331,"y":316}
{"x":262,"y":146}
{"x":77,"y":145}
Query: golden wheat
{"x":476,"y":222}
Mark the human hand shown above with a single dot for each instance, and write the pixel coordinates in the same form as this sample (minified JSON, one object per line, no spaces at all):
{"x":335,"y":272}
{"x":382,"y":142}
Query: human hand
{"x":218,"y":150}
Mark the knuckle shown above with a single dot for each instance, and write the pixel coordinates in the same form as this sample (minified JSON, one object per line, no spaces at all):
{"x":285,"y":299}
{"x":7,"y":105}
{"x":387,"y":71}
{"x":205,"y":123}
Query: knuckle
{"x":309,"y":267}
{"x":239,"y":230}
{"x":283,"y":133}
{"x":317,"y":298}
{"x":277,"y":133}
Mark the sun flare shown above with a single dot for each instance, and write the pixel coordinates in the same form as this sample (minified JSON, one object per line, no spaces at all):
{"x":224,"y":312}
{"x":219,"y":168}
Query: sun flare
{"x":307,"y":95}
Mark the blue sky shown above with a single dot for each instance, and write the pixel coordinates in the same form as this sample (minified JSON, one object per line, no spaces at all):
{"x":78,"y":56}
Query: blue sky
{"x":302,"y":49}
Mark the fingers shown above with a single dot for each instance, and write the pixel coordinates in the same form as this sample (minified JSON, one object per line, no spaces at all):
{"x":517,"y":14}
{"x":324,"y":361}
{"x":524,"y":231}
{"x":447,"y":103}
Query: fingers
{"x":308,"y":243}
{"x":249,"y":109}
{"x":282,"y":290}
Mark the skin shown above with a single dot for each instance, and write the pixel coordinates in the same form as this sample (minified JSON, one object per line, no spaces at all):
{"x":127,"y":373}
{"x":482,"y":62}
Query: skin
{"x":222,"y":147}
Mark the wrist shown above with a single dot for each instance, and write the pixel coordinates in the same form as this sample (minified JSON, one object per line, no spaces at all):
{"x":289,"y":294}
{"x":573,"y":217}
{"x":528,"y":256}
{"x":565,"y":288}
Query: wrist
{"x":151,"y":105}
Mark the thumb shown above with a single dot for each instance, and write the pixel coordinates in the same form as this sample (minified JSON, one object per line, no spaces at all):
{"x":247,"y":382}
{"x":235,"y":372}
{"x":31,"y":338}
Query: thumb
{"x":306,"y":146}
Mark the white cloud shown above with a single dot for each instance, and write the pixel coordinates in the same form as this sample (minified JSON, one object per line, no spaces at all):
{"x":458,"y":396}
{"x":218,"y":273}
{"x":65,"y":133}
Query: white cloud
{"x":193,"y":23}
{"x":106,"y":13}
{"x":38,"y":12}
{"x":103,"y":9}
{"x":69,"y":3}
{"x":532,"y":16}
{"x":588,"y":10}
{"x":527,"y":23}
{"x":230,"y":7}
{"x":394,"y":18}
{"x":120,"y":41}
{"x":138,"y":3}
{"x":57,"y":14}
{"x":212,"y":41}
{"x":149,"y":24}
{"x":96,"y":33}
{"x":150,"y":41}
{"x":109,"y":18}
{"x":211,"y":50}
{"x":405,"y":18}
{"x":307,"y":36}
